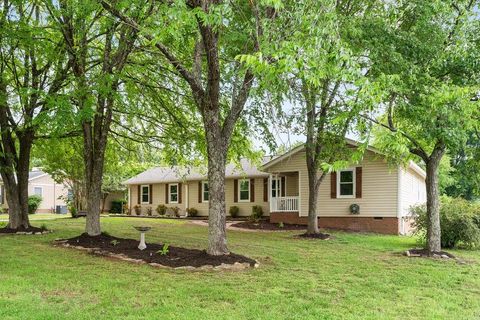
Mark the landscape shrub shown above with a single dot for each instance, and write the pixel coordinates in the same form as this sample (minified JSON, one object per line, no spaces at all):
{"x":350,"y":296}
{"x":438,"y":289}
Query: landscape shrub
{"x":33,"y":203}
{"x":149,"y":211}
{"x":192,"y":212}
{"x":117,"y":206}
{"x":161,"y":209}
{"x":459,"y":222}
{"x":176,"y":211}
{"x":234,"y":210}
{"x":257,"y":213}
{"x":73,"y":211}
{"x":138,"y":209}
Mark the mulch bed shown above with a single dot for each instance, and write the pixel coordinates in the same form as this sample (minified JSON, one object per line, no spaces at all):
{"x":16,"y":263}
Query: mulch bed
{"x":426,"y":254}
{"x":127,"y":249}
{"x":22,"y":230}
{"x":265,"y":225}
{"x":319,"y":236}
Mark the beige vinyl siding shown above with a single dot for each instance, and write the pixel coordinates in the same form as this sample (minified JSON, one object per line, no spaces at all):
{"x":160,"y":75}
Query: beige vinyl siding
{"x":111,"y":197}
{"x":291,"y":185}
{"x":53,"y":194}
{"x":379,"y":188}
{"x":412,"y":190}
{"x":245,"y":207}
{"x":158,"y":197}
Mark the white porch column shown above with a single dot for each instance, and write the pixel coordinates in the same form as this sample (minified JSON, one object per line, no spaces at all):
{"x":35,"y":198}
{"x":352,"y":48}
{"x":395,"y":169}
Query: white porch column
{"x":299,"y":193}
{"x":270,"y":191}
{"x":186,"y":199}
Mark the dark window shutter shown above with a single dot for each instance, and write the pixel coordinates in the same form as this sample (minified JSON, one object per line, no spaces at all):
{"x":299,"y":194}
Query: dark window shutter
{"x":200,"y":192}
{"x":265,"y":189}
{"x":333,"y":185}
{"x":150,"y":197}
{"x":179,"y":193}
{"x":252,"y":190}
{"x":235,"y":190}
{"x":283,"y":186}
{"x":166,"y":193}
{"x":358,"y":182}
{"x":139,"y":190}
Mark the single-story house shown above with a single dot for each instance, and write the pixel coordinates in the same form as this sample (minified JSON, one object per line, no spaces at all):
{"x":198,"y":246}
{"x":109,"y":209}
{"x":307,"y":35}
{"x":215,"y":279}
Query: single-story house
{"x":54,"y":195}
{"x":382,"y":192}
{"x":41,"y":183}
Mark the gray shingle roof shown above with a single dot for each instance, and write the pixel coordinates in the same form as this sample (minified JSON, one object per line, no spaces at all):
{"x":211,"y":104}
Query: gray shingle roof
{"x":35,"y":174}
{"x":179,"y":174}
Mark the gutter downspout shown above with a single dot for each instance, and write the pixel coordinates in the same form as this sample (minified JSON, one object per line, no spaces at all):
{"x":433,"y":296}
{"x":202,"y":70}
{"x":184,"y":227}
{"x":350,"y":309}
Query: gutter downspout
{"x":399,"y":201}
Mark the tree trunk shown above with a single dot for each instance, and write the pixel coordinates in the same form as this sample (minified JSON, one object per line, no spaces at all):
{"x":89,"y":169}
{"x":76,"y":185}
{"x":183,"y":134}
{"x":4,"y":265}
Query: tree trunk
{"x":433,"y":205}
{"x":16,"y":185}
{"x":94,"y":198}
{"x":217,"y":147}
{"x":313,"y":185}
{"x":94,"y":157}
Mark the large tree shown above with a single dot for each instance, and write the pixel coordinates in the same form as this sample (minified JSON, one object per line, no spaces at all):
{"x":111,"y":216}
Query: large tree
{"x":200,"y":40}
{"x":425,"y":62}
{"x":319,"y":68}
{"x":34,"y":68}
{"x":98,"y":48}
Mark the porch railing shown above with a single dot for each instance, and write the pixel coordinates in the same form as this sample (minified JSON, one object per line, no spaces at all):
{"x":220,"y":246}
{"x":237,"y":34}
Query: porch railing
{"x":284,"y":204}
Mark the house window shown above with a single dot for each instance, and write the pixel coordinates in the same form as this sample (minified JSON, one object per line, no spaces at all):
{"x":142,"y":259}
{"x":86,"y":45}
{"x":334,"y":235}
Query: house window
{"x":346,"y":183}
{"x":70,"y":195}
{"x":244,"y":190}
{"x":205,"y":194}
{"x":37,"y":191}
{"x":145,"y":194}
{"x":173,"y":193}
{"x":276,"y":185}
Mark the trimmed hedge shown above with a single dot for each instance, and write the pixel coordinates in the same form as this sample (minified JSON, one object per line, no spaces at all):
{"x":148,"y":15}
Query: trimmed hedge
{"x":117,"y":206}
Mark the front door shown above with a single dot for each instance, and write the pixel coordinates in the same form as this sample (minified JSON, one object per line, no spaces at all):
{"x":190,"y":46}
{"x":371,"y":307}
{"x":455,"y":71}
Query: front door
{"x":276,"y":187}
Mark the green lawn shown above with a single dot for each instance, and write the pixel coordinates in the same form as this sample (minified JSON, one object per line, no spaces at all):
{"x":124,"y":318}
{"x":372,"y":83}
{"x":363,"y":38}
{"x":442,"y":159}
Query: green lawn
{"x":354,"y":276}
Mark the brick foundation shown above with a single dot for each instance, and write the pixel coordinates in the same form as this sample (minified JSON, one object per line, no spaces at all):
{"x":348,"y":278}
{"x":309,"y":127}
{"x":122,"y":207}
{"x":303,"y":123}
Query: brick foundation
{"x":365,"y":224}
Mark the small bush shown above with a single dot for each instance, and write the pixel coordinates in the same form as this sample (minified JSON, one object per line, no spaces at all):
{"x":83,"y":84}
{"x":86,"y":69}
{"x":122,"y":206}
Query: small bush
{"x":164,"y":251}
{"x":176,"y":211}
{"x":459,"y":222}
{"x":73,"y":211}
{"x":192,"y":212}
{"x":257,"y":213}
{"x":137,"y":209}
{"x":161,"y":209}
{"x":281,"y":225}
{"x":149,"y":211}
{"x":33,"y":203}
{"x":43,"y":227}
{"x":117,"y":206}
{"x":234,"y":210}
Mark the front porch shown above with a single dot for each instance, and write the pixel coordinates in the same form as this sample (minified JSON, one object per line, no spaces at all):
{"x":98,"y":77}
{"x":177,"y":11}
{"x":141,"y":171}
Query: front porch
{"x":284,"y":191}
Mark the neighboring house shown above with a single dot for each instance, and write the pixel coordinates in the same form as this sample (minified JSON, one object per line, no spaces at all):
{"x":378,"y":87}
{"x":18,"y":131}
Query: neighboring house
{"x":53,"y":194}
{"x":384,"y":193}
{"x":40,"y":183}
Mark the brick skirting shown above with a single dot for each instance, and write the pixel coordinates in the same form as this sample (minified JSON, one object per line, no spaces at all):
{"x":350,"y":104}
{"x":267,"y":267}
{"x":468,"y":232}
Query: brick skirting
{"x":365,"y":224}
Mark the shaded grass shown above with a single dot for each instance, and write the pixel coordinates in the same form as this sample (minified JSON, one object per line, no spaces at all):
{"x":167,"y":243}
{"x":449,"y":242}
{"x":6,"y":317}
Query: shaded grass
{"x":354,"y":276}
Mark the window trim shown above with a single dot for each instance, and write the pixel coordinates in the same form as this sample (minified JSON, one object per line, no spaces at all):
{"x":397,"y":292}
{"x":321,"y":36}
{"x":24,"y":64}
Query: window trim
{"x":203,"y":192}
{"x":240,"y":190}
{"x":354,"y":182}
{"x":170,"y":193}
{"x":141,"y":194}
{"x":41,"y":191}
